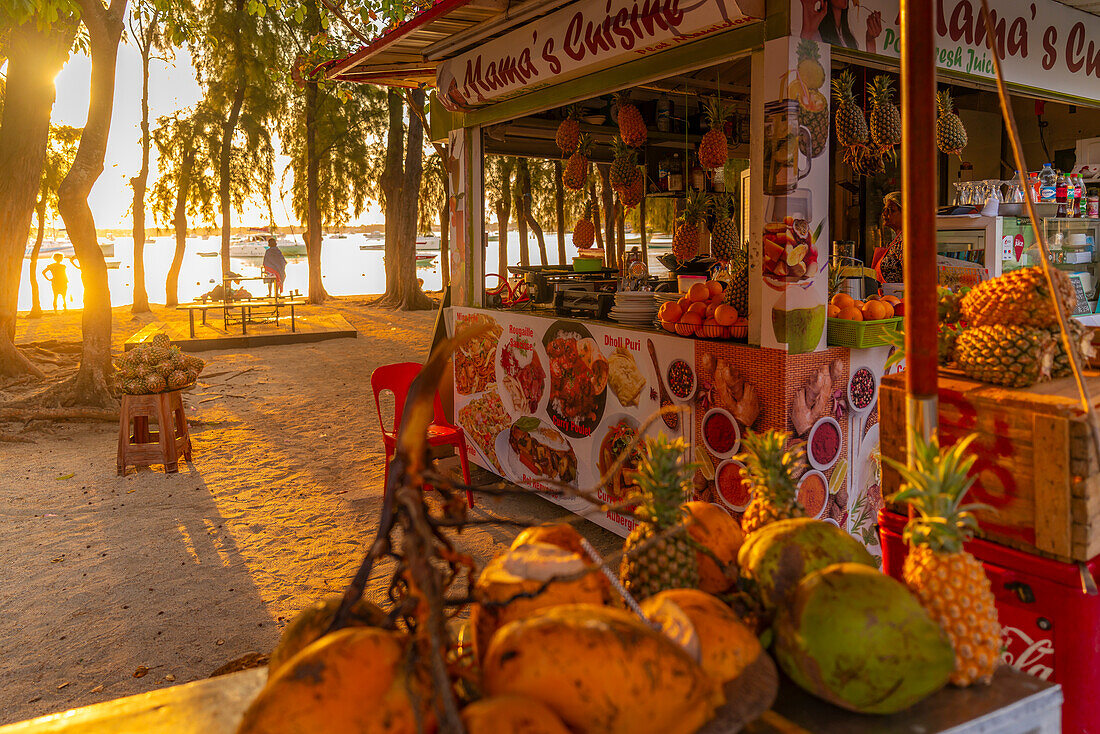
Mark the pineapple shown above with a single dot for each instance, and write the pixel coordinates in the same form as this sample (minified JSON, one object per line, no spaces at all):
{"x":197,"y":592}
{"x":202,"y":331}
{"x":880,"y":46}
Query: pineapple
{"x":631,"y":125}
{"x":576,"y":168}
{"x":947,"y":337}
{"x":714,"y":148}
{"x":1080,"y":340}
{"x":155,"y":383}
{"x":133,"y":386}
{"x":685,"y":240}
{"x":164,"y":368}
{"x":737,"y":292}
{"x":813,"y":106}
{"x":1020,"y":297}
{"x":659,"y":554}
{"x":769,"y":474}
{"x":950,"y":133}
{"x":949,"y":582}
{"x":947,"y":305}
{"x":584,"y":231}
{"x":178,"y":379}
{"x":885,"y":118}
{"x":633,"y":195}
{"x":161,"y":340}
{"x":1014,"y":356}
{"x":724,"y":242}
{"x":624,"y":169}
{"x":568,"y":136}
{"x":851,"y":125}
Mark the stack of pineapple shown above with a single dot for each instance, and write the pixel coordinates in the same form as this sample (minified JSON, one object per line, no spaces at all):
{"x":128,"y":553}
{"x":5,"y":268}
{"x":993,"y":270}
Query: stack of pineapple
{"x":1007,"y":329}
{"x":157,"y":366}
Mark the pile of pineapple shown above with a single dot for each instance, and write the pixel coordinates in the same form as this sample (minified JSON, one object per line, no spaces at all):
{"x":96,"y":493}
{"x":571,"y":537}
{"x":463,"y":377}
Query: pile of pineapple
{"x":551,"y":647}
{"x":156,"y":366}
{"x":1005,"y":331}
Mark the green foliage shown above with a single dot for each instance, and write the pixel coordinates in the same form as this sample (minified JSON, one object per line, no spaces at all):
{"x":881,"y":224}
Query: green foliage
{"x":185,"y":143}
{"x":60,"y":151}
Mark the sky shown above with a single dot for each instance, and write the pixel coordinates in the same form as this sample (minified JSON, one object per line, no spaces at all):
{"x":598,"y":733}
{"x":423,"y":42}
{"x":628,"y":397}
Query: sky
{"x":171,"y":87}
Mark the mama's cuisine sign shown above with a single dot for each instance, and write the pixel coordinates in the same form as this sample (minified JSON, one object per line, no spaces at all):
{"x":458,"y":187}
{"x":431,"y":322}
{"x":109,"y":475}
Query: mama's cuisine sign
{"x":578,"y":39}
{"x":1042,"y":44}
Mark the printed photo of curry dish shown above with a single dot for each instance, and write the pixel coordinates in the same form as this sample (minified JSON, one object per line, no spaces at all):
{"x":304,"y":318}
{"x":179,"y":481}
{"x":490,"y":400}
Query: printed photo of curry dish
{"x":473,"y":361}
{"x":578,"y":381}
{"x":545,"y":452}
{"x":618,"y":439}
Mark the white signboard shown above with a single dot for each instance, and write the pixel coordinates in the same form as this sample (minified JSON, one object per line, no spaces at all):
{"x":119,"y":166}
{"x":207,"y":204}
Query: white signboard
{"x":578,"y":39}
{"x":1043,"y":44}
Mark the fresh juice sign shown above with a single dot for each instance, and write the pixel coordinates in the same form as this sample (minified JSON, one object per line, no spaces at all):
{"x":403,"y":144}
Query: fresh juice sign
{"x":1042,"y":44}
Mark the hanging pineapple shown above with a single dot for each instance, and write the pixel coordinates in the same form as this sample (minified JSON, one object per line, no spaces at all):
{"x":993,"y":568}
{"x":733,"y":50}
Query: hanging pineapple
{"x":724,"y":242}
{"x":631,"y":125}
{"x":568,"y":136}
{"x":851,"y":125}
{"x":576,"y":168}
{"x":584,"y":231}
{"x":885,"y":117}
{"x":685,"y":239}
{"x":659,"y":554}
{"x":950,"y":133}
{"x":769,"y":475}
{"x":624,"y":168}
{"x":949,"y":582}
{"x":633,"y":195}
{"x":714,"y":148}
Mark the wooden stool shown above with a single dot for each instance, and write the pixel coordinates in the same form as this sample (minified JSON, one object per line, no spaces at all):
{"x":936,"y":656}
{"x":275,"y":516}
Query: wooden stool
{"x":144,"y":447}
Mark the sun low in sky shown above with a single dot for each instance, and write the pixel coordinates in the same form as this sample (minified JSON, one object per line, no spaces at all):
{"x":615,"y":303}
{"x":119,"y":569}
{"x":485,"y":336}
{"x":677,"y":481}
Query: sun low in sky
{"x":172,"y":87}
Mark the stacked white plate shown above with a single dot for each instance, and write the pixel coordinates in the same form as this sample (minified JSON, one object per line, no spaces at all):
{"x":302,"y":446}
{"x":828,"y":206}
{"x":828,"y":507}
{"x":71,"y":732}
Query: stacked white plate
{"x":634,"y":308}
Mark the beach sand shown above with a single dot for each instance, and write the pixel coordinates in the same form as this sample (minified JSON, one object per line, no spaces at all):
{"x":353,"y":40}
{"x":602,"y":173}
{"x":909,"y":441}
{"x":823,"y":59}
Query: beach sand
{"x":108,"y":577}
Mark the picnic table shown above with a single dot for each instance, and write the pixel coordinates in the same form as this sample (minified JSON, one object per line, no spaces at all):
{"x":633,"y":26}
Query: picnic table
{"x":251,"y":310}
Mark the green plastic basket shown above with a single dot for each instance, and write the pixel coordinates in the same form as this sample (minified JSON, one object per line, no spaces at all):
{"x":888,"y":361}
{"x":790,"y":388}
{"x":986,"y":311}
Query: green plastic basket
{"x":587,"y":264}
{"x":862,"y":334}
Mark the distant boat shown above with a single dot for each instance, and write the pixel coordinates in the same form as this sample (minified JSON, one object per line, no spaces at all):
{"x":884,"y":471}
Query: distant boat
{"x":427,"y":242}
{"x":338,"y":236}
{"x":64,"y":247}
{"x":254,"y":244}
{"x":208,"y":254}
{"x":424,"y":260}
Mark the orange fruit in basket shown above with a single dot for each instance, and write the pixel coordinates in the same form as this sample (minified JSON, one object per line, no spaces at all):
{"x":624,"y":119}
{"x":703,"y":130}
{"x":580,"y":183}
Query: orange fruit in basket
{"x":669,"y":325}
{"x":715,"y":287}
{"x":842,"y":300}
{"x":670,"y":312}
{"x":893,"y":300}
{"x":725,"y":315}
{"x":699,"y":292}
{"x":851,"y":314}
{"x":888,"y":307}
{"x":700,"y":308}
{"x":683,"y":303}
{"x":692,"y":318}
{"x":834,"y":311}
{"x":711,"y":307}
{"x":874,"y":311}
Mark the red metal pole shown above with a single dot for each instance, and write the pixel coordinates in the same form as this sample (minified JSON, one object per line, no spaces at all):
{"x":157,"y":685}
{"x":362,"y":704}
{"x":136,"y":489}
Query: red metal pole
{"x":918,"y":177}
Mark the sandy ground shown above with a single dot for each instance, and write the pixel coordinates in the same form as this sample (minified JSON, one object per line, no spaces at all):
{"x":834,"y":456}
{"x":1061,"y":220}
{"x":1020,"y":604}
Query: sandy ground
{"x":105,"y":576}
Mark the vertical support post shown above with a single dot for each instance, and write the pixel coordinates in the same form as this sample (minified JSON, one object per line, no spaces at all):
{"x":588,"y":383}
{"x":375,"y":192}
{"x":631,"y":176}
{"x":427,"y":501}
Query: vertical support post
{"x":467,"y":216}
{"x":918,"y":105}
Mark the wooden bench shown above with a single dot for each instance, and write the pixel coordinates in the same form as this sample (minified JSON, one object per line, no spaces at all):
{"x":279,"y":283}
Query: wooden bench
{"x":246,"y":307}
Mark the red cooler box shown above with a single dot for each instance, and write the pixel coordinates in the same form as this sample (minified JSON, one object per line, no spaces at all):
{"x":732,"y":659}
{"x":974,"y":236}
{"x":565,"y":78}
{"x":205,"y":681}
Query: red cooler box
{"x":1049,"y":612}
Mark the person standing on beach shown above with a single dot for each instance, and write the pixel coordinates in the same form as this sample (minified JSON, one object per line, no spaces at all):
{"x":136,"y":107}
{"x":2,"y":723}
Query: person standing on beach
{"x":274,"y":266}
{"x":58,"y":276}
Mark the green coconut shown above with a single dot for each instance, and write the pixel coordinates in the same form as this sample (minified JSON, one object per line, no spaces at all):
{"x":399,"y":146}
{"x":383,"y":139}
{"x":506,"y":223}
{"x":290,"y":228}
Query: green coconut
{"x":858,"y":639}
{"x":780,"y":554}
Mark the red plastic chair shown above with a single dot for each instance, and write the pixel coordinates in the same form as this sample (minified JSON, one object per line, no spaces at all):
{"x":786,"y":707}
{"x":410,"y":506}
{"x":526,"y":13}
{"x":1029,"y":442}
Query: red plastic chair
{"x":396,"y":378}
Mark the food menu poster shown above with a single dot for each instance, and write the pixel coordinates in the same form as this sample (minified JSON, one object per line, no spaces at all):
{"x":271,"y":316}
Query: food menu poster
{"x":550,"y":404}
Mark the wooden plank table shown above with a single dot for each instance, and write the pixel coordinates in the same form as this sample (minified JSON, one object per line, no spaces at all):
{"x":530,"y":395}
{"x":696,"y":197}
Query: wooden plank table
{"x":1014,"y":703}
{"x":245,"y":305}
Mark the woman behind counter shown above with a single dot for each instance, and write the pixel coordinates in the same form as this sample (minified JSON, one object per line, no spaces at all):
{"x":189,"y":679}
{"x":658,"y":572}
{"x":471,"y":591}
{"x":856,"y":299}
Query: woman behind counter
{"x":888,"y":261}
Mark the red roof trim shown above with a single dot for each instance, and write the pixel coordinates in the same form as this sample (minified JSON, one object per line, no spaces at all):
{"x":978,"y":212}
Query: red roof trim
{"x":438,"y":10}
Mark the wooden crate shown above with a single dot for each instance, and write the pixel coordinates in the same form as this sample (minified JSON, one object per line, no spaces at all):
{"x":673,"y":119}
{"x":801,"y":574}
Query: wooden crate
{"x":1037,"y":465}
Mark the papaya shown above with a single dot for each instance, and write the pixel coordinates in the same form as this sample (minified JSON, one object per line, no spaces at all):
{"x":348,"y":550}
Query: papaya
{"x":601,"y":670}
{"x":726,"y":646}
{"x":860,"y":640}
{"x":309,"y":624}
{"x":526,"y":569}
{"x":512,"y":714}
{"x":715,"y":529}
{"x":353,"y":680}
{"x":776,"y":557}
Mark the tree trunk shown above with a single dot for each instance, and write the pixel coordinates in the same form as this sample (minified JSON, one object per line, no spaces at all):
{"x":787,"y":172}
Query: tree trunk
{"x":225,"y":156}
{"x":559,"y":209}
{"x":91,"y":384}
{"x":445,"y":234}
{"x":608,"y":213}
{"x":36,"y":300}
{"x":179,"y":223}
{"x":402,"y":188}
{"x":141,"y":180}
{"x":504,"y":213}
{"x":521,"y":230}
{"x":525,"y":211}
{"x":595,"y":212}
{"x":317,"y":293}
{"x":620,"y":234}
{"x":34,"y":59}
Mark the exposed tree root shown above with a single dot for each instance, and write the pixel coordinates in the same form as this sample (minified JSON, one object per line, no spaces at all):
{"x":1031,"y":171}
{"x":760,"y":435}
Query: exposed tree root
{"x":87,"y":415}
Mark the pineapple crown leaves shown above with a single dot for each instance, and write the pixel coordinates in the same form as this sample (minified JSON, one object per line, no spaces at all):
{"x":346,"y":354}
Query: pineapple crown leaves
{"x":843,"y":86}
{"x":716,"y":111}
{"x":881,"y":90}
{"x":664,"y":480}
{"x":944,"y":104}
{"x":721,"y":205}
{"x":572,"y":112}
{"x":621,"y":150}
{"x":808,"y":49}
{"x":769,"y":464}
{"x":935,"y":487}
{"x":584,"y":146}
{"x":696,"y":206}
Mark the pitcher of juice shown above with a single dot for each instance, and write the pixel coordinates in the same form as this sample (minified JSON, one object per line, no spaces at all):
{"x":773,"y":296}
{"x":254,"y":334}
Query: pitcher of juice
{"x":781,"y":154}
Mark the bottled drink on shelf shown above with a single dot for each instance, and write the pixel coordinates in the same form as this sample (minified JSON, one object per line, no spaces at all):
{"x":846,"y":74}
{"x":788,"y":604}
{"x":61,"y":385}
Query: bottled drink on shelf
{"x":662,"y":173}
{"x":698,"y":177}
{"x":1082,"y":197}
{"x":1033,"y":185}
{"x":1061,"y":189}
{"x":676,"y":174}
{"x":1048,"y":184}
